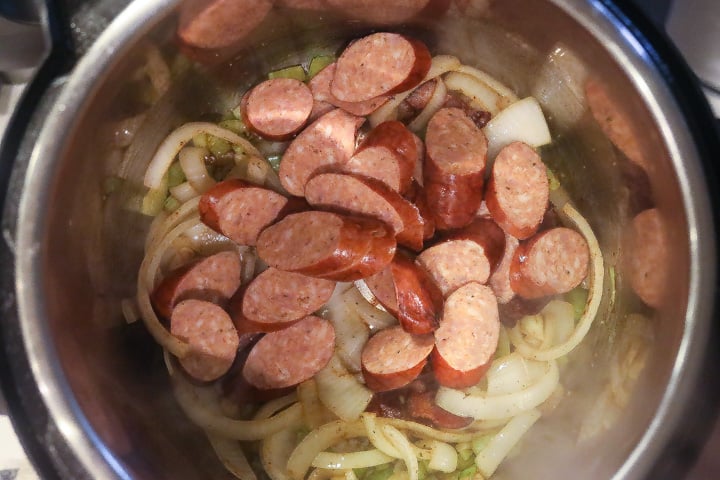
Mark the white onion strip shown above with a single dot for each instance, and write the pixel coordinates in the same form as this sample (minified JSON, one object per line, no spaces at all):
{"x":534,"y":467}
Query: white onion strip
{"x":500,"y":406}
{"x":232,"y":457}
{"x":490,"y":457}
{"x":404,"y":447}
{"x":184,"y":192}
{"x":492,"y":82}
{"x":481,"y":96}
{"x":270,"y":408}
{"x":434,"y":104}
{"x":318,"y":441}
{"x":345,"y":461}
{"x":374,"y":433}
{"x":596,"y":277}
{"x":430,"y":433}
{"x":192,"y":162}
{"x":274,"y":453}
{"x":313,"y":410}
{"x":341,"y":392}
{"x":159,"y":230}
{"x":173,"y":143}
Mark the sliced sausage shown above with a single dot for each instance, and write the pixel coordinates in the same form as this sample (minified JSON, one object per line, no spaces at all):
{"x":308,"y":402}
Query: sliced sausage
{"x":500,"y":278}
{"x":321,"y":244}
{"x":467,"y":337}
{"x":213,"y":24}
{"x":327,"y":142}
{"x":240,"y":210}
{"x":379,"y":64}
{"x":278,"y":108}
{"x":453,"y":263}
{"x":407,"y":291}
{"x":518,"y":191}
{"x":457,"y":100}
{"x":320,"y":87}
{"x":422,"y":407}
{"x":276,"y":299}
{"x":388,"y":154}
{"x":212,"y":337}
{"x":393,"y":358}
{"x":290,"y":356}
{"x":486,"y":233}
{"x":454,"y":168}
{"x":371,"y":198}
{"x":214,"y":279}
{"x":552,"y":262}
{"x":647,"y":251}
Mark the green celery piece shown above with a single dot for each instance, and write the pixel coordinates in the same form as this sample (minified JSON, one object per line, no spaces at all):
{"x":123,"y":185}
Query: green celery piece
{"x":217,"y":146}
{"x":296,"y":72}
{"x":577,"y":297}
{"x":234,"y":125}
{"x":318,"y":63}
{"x":171,"y":204}
{"x":176,"y":176}
{"x":553,"y":181}
{"x":468,"y":472}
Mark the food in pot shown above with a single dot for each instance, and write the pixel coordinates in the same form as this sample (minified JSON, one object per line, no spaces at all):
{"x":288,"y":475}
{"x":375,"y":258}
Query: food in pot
{"x":351,"y":318}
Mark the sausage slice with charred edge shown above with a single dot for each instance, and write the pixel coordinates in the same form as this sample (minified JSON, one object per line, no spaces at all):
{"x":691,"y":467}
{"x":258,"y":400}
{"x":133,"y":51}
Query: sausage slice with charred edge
{"x":467,"y":337}
{"x":278,"y":108}
{"x":276,"y":299}
{"x":241,"y":210}
{"x":552,"y":262}
{"x":212,"y":337}
{"x":517,"y":192}
{"x":454,"y":169}
{"x":422,"y":407}
{"x":371,"y":198}
{"x":379,"y":64}
{"x":328,"y":142}
{"x":327,"y":245}
{"x":214,"y":279}
{"x":320,"y":87}
{"x":393,"y":358}
{"x":290,"y":356}
{"x":389,"y":154}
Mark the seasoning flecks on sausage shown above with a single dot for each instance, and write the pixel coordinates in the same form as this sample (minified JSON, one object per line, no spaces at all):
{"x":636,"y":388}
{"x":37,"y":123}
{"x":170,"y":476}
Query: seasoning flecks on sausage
{"x":212,"y":337}
{"x":517,"y":192}
{"x":276,"y":299}
{"x":467,"y":337}
{"x":329,"y":141}
{"x":214,"y":279}
{"x":552,"y":262}
{"x":393,"y":358}
{"x":290,"y":356}
{"x":379,"y":64}
{"x":454,"y":169}
{"x":278,"y":108}
{"x":320,"y":87}
{"x":500,"y":278}
{"x":240,"y":210}
{"x":453,"y":263}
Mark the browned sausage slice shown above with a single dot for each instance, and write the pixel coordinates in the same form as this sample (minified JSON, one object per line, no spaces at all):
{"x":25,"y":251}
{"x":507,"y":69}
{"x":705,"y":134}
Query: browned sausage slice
{"x":321,"y":244}
{"x":320,"y":87}
{"x":647,"y":251}
{"x":329,"y":141}
{"x":290,"y":356}
{"x":500,"y":279}
{"x":393,"y":358}
{"x":467,"y":337}
{"x":213,"y":24}
{"x":277,"y":109}
{"x":371,"y":198}
{"x":454,"y":168}
{"x":211,"y":335}
{"x":240,"y":210}
{"x":389,"y":154}
{"x":276,"y":299}
{"x":486,"y":233}
{"x":552,"y":262}
{"x":517,"y":193}
{"x":379,"y":64}
{"x":453,"y":263}
{"x":422,"y":407}
{"x":214,"y":279}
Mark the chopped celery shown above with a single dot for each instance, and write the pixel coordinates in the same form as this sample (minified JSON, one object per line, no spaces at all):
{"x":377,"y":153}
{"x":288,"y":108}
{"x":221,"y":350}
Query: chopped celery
{"x":318,"y":63}
{"x":468,"y":472}
{"x":296,"y":72}
{"x":234,"y":125}
{"x":171,"y":204}
{"x":422,"y":469}
{"x":379,"y":473}
{"x":301,"y":433}
{"x":577,"y":297}
{"x":479,"y":444}
{"x":465,"y":459}
{"x":154,"y":200}
{"x":176,"y":176}
{"x":360,"y":472}
{"x":217,"y":146}
{"x":274,"y":161}
{"x":200,"y":140}
{"x":111,"y":184}
{"x":553,"y":181}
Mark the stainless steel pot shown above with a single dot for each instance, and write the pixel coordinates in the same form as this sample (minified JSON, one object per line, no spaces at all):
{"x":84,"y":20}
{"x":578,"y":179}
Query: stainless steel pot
{"x":88,"y":392}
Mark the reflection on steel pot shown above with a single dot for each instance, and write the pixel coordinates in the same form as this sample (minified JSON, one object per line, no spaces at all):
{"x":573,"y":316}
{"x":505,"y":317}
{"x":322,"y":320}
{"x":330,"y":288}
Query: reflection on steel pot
{"x":614,"y":115}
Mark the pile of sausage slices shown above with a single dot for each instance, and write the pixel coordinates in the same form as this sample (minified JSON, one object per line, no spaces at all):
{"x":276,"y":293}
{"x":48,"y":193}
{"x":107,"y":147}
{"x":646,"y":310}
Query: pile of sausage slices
{"x":422,"y":227}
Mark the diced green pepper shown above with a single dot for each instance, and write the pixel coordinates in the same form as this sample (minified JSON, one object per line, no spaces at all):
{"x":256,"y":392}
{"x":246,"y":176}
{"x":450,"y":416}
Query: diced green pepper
{"x":176,"y":176}
{"x":217,"y":146}
{"x":234,"y":125}
{"x":296,"y":72}
{"x":171,"y":204}
{"x":577,"y":297}
{"x":318,"y":63}
{"x":154,"y":200}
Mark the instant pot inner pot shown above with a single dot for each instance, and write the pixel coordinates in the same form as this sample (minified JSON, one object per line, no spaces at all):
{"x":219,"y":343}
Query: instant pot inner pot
{"x":93,"y":243}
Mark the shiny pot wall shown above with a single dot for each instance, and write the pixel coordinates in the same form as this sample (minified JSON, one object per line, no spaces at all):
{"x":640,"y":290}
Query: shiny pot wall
{"x":77,"y":250}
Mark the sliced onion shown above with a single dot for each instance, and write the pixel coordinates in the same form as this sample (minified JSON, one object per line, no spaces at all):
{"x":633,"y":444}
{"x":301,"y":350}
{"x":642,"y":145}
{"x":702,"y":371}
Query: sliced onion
{"x":492,"y":82}
{"x":374,"y":316}
{"x":274,"y":406}
{"x":314,"y":413}
{"x":341,"y":392}
{"x":423,"y":431}
{"x":184,"y":192}
{"x":405,"y":448}
{"x":522,"y":121}
{"x":373,"y":429}
{"x":318,"y":441}
{"x":275,"y":452}
{"x":481,"y":96}
{"x":351,"y":333}
{"x":368,"y":295}
{"x":490,"y":457}
{"x":443,"y":457}
{"x":345,"y":461}
{"x":192,"y":162}
{"x":434,"y":104}
{"x":483,"y":406}
{"x":232,"y":457}
{"x":509,"y":374}
{"x":165,"y":224}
